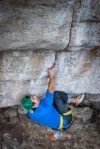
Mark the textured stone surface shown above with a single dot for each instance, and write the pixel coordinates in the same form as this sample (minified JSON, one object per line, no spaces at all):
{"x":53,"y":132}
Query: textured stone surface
{"x":85,"y":34}
{"x":75,"y":49}
{"x":23,"y":73}
{"x":20,"y":110}
{"x":47,"y":24}
{"x":14,"y":120}
{"x":79,"y":71}
{"x":85,"y":30}
{"x":2,"y":117}
{"x":97,"y":105}
{"x":11,"y":112}
{"x":86,"y":10}
{"x":34,"y":24}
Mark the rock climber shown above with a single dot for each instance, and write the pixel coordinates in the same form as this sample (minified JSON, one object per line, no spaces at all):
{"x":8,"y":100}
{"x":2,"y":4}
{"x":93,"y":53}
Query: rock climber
{"x":52,"y":110}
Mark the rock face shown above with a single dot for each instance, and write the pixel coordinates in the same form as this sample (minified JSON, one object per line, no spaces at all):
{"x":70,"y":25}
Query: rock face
{"x":79,"y":71}
{"x":23,"y":73}
{"x":40,"y":32}
{"x":34,"y":24}
{"x":85,"y":34}
{"x":85,"y":31}
{"x":46,"y":24}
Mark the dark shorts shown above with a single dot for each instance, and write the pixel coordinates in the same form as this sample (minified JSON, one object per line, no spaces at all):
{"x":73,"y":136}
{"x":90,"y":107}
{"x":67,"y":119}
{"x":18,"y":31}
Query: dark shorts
{"x":60,"y":103}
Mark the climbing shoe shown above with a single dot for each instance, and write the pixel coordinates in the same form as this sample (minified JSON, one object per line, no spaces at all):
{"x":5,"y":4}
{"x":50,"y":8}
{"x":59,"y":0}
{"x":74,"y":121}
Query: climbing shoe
{"x":55,"y":136}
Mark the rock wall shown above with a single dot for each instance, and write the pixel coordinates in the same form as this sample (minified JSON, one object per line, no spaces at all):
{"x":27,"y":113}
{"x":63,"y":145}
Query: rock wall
{"x":35,"y":24}
{"x":34,"y":33}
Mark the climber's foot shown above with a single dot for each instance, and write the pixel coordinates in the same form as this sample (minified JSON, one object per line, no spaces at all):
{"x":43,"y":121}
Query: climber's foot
{"x":80,"y":99}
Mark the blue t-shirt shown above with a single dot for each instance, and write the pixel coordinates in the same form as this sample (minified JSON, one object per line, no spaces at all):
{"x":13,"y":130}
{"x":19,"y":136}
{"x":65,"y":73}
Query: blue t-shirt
{"x":46,"y":114}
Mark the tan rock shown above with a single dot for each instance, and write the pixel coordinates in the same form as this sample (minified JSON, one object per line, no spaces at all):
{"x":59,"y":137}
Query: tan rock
{"x":79,"y":72}
{"x":23,"y":74}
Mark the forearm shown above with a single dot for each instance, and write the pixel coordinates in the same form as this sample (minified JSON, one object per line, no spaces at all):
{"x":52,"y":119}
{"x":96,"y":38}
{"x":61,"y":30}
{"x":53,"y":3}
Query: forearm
{"x":51,"y":85}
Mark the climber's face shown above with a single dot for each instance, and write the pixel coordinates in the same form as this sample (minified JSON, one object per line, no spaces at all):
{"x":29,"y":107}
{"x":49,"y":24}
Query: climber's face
{"x":36,"y":101}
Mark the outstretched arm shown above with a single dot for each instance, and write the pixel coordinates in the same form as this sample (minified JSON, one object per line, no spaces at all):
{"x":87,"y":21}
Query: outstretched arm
{"x":51,"y":84}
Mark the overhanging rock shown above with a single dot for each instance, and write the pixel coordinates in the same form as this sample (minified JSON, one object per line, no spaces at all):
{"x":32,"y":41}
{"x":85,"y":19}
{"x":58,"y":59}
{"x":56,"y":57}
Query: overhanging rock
{"x":25,"y":73}
{"x":41,"y":24}
{"x":79,"y":71}
{"x":85,"y":34}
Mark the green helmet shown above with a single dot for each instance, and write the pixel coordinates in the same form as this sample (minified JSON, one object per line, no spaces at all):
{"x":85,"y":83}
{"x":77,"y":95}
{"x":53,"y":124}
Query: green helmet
{"x":26,"y":103}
